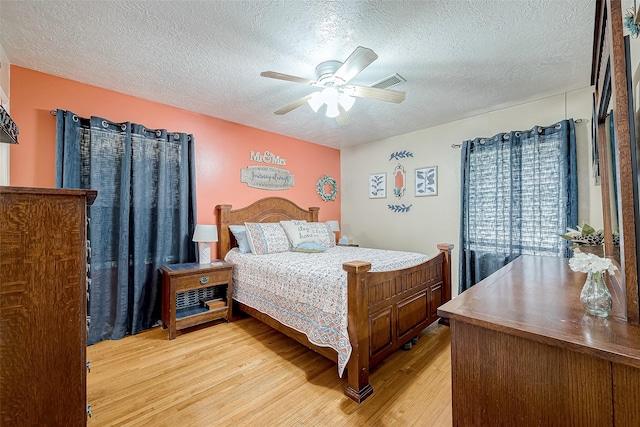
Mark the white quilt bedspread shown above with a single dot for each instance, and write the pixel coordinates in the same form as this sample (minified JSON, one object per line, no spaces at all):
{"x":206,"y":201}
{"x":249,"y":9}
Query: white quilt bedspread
{"x":307,"y":291}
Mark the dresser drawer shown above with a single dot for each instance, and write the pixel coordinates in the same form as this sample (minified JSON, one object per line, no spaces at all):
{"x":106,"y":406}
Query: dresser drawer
{"x":200,"y":280}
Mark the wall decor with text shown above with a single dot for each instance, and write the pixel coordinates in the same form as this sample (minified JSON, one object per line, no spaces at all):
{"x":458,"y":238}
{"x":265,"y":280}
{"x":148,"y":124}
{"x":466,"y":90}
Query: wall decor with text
{"x":267,"y":157}
{"x":267,"y":177}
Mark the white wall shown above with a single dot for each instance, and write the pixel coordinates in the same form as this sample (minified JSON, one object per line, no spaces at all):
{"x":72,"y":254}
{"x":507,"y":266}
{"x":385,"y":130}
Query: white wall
{"x":436,"y":219}
{"x":4,"y":101}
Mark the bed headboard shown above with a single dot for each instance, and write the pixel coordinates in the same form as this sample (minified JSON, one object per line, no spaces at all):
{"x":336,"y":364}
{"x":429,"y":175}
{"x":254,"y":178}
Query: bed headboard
{"x":269,"y":209}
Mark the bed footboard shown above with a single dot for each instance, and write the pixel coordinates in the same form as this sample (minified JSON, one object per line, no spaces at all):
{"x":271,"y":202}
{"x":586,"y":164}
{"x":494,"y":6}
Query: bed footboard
{"x":388,"y":309}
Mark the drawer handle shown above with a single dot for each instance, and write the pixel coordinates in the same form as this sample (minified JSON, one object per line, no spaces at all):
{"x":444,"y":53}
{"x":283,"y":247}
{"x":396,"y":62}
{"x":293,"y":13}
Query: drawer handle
{"x":204,"y":280}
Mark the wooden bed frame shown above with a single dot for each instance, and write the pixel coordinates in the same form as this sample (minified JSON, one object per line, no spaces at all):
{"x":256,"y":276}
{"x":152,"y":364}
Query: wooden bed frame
{"x":385,"y":309}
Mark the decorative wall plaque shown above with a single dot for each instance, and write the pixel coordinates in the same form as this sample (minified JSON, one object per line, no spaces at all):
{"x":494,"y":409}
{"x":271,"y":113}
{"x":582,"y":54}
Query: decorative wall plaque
{"x":400,"y":181}
{"x":267,"y":178}
{"x":267,"y":157}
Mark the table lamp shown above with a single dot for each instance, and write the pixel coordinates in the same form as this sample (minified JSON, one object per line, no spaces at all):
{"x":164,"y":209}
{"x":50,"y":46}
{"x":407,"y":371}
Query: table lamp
{"x":204,"y":235}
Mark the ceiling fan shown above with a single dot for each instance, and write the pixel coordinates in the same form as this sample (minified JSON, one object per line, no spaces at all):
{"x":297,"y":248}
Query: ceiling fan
{"x":333,"y":78}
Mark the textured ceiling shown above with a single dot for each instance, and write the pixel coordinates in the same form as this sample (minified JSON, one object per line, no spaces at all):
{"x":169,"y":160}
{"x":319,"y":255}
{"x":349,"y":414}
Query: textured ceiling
{"x":460,"y":58}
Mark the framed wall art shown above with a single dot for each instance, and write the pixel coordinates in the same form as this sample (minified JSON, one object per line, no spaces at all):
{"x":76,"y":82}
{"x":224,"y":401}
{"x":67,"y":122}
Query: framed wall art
{"x":426,"y":181}
{"x":378,"y":186}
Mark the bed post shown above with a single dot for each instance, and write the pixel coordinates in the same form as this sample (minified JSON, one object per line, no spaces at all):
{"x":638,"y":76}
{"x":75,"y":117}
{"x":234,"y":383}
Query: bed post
{"x":358,"y":387}
{"x":446,"y":248}
{"x":314,"y":214}
{"x":224,"y":243}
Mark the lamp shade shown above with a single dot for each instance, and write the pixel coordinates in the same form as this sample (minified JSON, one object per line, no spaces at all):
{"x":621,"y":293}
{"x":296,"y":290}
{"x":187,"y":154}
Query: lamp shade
{"x":334,"y":225}
{"x":205,"y":233}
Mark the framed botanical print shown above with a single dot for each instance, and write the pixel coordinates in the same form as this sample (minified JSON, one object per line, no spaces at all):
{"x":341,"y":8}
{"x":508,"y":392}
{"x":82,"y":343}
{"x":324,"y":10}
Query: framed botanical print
{"x":426,"y":181}
{"x":378,"y":186}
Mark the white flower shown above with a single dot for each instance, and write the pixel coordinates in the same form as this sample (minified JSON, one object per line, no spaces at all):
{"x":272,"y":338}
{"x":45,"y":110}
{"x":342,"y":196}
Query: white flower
{"x":590,"y":263}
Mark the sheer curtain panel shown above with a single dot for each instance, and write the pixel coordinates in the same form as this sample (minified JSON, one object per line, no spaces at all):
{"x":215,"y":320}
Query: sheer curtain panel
{"x":142,"y":218}
{"x":519,"y":192}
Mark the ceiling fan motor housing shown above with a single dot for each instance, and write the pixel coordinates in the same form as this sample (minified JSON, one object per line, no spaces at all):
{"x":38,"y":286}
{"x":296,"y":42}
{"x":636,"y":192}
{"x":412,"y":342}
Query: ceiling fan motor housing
{"x":325,"y":71}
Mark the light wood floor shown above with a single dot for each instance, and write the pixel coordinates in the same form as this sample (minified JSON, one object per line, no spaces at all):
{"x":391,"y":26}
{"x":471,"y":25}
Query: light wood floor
{"x":246,"y":374}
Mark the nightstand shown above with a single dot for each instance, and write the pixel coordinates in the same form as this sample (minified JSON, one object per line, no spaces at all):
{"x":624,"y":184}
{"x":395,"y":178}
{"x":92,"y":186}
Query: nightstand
{"x":194,"y":293}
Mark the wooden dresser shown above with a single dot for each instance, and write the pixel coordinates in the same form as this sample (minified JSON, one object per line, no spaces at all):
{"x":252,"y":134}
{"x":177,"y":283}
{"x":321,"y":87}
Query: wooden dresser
{"x":43,"y":306}
{"x":524,"y":352}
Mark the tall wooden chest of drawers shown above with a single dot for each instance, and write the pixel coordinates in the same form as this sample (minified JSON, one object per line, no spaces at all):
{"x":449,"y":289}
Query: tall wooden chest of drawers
{"x":43,"y":306}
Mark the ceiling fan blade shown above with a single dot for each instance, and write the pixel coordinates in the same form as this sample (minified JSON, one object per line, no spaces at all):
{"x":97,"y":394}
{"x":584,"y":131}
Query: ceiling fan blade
{"x":286,"y":77}
{"x":387,"y":95}
{"x":290,"y":107}
{"x":343,"y":118}
{"x":359,"y":59}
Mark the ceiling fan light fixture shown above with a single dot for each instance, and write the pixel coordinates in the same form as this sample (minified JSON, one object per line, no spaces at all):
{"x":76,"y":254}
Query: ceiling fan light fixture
{"x":332,"y":109}
{"x":332,"y":79}
{"x":316,"y":101}
{"x":330,"y":95}
{"x":346,"y":101}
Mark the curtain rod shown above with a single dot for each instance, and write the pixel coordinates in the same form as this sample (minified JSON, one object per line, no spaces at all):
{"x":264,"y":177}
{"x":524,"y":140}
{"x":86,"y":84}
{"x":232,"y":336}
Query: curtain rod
{"x":156,"y":131}
{"x":460,"y":145}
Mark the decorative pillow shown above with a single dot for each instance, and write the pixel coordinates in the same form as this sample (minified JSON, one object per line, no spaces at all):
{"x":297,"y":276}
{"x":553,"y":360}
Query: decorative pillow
{"x":267,"y":238}
{"x":240,"y":233}
{"x":303,"y":231}
{"x":309,"y":247}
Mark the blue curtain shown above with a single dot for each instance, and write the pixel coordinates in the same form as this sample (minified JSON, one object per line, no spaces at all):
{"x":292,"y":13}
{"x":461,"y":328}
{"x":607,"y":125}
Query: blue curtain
{"x":519,"y":192}
{"x":143,"y":216}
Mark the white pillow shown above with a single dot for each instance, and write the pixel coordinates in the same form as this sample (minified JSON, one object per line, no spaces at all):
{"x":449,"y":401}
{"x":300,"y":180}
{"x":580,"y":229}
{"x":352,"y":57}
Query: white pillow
{"x":267,"y":238}
{"x":303,"y":231}
{"x":240,"y":233}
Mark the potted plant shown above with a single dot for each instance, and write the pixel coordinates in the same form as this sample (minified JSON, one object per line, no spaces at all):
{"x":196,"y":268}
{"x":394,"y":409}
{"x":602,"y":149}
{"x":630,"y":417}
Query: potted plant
{"x":585,"y":239}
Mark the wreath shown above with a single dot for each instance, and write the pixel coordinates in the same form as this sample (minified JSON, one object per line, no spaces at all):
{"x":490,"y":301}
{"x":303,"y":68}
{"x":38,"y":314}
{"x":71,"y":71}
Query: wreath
{"x":334,"y":188}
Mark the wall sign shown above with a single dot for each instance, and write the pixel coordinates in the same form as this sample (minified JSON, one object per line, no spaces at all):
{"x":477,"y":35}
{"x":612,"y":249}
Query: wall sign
{"x":267,"y":157}
{"x":267,"y":178}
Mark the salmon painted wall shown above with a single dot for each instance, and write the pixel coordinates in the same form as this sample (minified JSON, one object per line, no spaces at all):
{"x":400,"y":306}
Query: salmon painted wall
{"x":222,"y":148}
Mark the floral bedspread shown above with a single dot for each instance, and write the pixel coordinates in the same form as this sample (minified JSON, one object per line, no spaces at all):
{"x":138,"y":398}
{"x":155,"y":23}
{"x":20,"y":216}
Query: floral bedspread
{"x":308,"y":291}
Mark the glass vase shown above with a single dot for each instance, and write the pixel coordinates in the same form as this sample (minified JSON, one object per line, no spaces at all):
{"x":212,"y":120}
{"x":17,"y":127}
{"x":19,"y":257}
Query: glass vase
{"x":595,"y":297}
